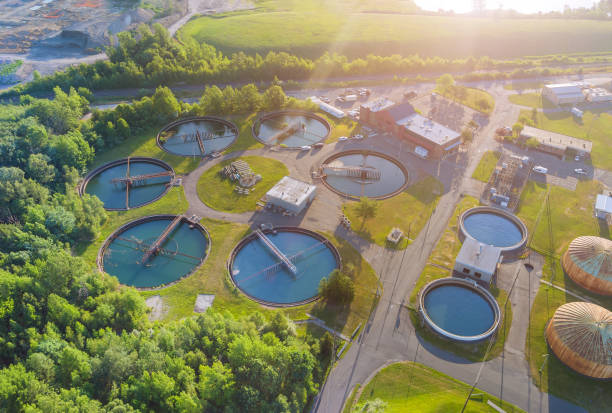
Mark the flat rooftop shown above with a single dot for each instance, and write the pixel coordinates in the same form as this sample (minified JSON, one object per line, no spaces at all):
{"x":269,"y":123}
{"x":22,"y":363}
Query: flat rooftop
{"x":428,"y":129}
{"x":291,"y":190}
{"x":478,"y":255}
{"x":557,"y":140}
{"x":378,"y":104}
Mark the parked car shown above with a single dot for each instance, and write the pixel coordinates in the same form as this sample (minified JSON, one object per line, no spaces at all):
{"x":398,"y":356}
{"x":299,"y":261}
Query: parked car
{"x":577,"y":158}
{"x":504,"y":131}
{"x":358,"y":136}
{"x":342,"y":139}
{"x":540,"y":169}
{"x":305,"y":148}
{"x":324,"y":99}
{"x":318,"y":145}
{"x":580,"y":171}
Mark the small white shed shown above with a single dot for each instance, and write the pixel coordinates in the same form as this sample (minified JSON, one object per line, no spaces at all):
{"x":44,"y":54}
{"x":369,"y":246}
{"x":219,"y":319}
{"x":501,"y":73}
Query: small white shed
{"x":291,"y":195}
{"x":477,"y":261}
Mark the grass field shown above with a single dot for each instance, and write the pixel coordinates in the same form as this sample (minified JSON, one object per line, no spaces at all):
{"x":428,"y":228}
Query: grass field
{"x":595,"y":127}
{"x":312,"y":27}
{"x":486,"y":166}
{"x":144,"y":144}
{"x":218,"y":192}
{"x":571,"y":214}
{"x":413,"y":387}
{"x":408,"y":211}
{"x":471,"y":98}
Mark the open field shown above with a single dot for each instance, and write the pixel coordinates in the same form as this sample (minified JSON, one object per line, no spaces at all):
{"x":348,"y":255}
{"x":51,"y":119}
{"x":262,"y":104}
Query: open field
{"x":413,"y":387}
{"x":312,"y":27}
{"x":571,"y":214}
{"x":409,"y":211}
{"x":486,"y":166}
{"x":218,"y":192}
{"x":144,"y":144}
{"x":523,"y":85}
{"x":595,"y":127}
{"x":470,"y":97}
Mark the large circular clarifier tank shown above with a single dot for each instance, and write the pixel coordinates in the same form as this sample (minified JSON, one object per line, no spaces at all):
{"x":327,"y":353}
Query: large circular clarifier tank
{"x":494,"y":226}
{"x":130,"y":254}
{"x":198,"y":136}
{"x":109,"y":184}
{"x":264,"y":276}
{"x":359,"y":173}
{"x":291,"y":129}
{"x":459,"y":310}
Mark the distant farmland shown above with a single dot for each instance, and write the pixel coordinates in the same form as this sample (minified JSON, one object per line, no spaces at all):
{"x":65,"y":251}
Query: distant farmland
{"x":309,"y":33}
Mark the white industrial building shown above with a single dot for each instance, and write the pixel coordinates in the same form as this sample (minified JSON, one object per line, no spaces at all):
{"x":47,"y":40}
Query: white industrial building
{"x":477,"y":261}
{"x":564,"y":93}
{"x":603,"y":206}
{"x":597,"y":94}
{"x":291,"y":195}
{"x":327,"y":108}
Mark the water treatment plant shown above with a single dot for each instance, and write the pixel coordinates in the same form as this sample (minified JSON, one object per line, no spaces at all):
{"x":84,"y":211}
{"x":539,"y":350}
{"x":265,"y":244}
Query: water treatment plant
{"x":291,"y":129}
{"x":360,"y":173}
{"x":154,"y":251}
{"x":459,"y":310}
{"x":128,"y":183}
{"x":197,"y":137}
{"x":282,"y":266}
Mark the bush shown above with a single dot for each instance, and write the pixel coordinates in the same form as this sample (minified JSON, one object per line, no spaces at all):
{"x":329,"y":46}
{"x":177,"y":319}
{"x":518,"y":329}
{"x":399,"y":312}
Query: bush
{"x":338,"y":288}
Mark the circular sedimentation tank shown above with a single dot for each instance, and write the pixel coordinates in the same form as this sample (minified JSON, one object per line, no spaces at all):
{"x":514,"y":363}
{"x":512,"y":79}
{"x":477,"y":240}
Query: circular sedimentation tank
{"x":588,"y":262}
{"x":359,"y":173}
{"x":154,"y":251}
{"x":580,"y":335}
{"x":494,"y":226}
{"x":264,"y":276}
{"x":128,"y":183}
{"x":291,"y":129}
{"x":459,"y":310}
{"x":199,"y":136}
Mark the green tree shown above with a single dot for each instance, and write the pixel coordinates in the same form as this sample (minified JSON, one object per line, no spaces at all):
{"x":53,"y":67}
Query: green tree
{"x":39,"y":169}
{"x":338,"y":288}
{"x":517,"y":128}
{"x":445,"y":83}
{"x":366,"y":208}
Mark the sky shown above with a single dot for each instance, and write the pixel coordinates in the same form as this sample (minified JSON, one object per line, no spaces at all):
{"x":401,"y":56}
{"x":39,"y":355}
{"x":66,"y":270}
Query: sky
{"x":523,"y":6}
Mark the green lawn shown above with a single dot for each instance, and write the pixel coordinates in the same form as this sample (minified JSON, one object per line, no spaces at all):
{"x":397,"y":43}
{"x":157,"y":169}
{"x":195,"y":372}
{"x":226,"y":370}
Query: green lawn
{"x":470,"y":98}
{"x":593,"y":395}
{"x":245,"y":140}
{"x":218,"y":192}
{"x":144,"y":144}
{"x":412,"y":387}
{"x":408,"y":211}
{"x":595,"y":127}
{"x":532,"y":100}
{"x":486,"y":166}
{"x":571,"y":214}
{"x":311,"y":27}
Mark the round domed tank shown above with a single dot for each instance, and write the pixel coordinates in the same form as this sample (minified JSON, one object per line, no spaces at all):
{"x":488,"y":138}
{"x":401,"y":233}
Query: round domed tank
{"x":580,"y":335}
{"x":588,"y":262}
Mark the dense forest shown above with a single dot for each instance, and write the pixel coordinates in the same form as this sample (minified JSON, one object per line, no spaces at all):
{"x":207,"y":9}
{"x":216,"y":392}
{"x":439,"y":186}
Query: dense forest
{"x":149,"y":58}
{"x":74,"y":340}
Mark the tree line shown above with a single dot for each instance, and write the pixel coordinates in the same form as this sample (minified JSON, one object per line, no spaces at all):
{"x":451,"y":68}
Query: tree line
{"x":149,"y":57}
